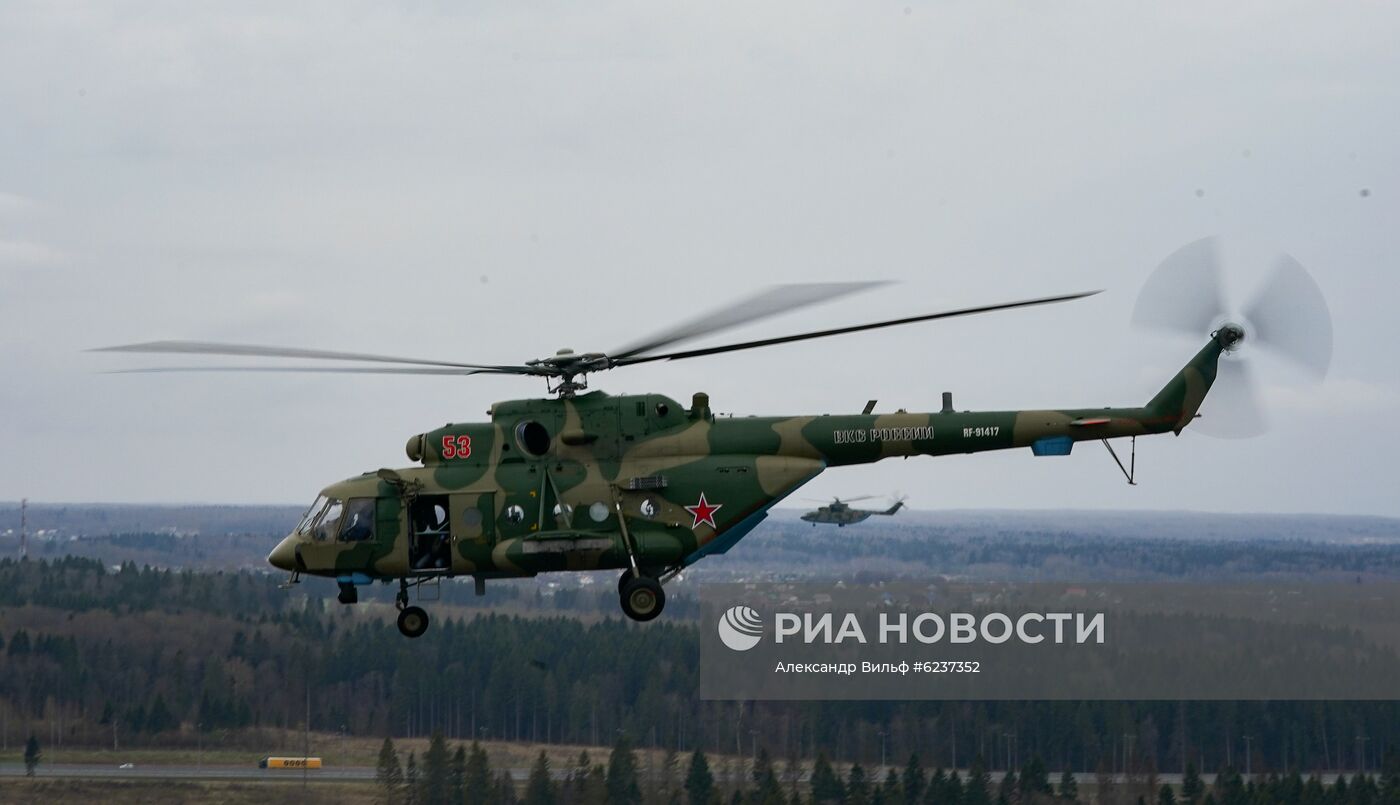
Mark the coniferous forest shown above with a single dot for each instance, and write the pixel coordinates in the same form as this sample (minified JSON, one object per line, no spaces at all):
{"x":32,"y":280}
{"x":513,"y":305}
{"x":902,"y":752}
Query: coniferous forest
{"x":94,"y":654}
{"x":446,"y":776}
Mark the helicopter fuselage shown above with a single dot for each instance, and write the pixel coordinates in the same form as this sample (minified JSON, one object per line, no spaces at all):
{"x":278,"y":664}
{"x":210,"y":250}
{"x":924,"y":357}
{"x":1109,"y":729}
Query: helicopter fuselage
{"x":608,"y":482}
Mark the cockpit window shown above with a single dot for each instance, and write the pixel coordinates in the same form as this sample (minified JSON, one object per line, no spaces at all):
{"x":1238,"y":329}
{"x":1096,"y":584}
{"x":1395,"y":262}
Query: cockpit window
{"x":359,"y":520}
{"x":311,"y":514}
{"x":327,"y":525}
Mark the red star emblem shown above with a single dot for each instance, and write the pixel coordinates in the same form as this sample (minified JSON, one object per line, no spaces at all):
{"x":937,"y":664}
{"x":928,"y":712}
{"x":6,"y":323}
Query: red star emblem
{"x":703,"y":512}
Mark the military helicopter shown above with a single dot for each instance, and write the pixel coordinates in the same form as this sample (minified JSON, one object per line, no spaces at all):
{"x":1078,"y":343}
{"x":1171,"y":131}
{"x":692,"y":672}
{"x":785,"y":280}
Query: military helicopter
{"x":839,"y":511}
{"x":584,"y":480}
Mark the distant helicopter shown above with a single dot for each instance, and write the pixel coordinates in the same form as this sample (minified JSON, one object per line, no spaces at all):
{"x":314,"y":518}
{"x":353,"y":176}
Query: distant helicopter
{"x":839,"y":511}
{"x":645,"y":485}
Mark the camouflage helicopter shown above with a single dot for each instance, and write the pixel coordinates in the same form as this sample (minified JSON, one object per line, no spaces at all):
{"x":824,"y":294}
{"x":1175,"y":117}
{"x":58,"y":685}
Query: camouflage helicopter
{"x":582,"y":481}
{"x":839,"y":511}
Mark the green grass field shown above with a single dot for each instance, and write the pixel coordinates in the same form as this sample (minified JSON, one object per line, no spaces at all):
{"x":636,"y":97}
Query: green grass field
{"x":136,"y":792}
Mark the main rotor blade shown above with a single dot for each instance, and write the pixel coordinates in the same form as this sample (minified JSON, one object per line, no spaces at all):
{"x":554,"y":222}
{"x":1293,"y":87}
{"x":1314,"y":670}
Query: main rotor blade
{"x":1289,"y":315}
{"x":1183,"y":294}
{"x":770,"y":302}
{"x":1232,"y":409}
{"x":350,"y":370}
{"x":250,"y":350}
{"x":765,"y":342}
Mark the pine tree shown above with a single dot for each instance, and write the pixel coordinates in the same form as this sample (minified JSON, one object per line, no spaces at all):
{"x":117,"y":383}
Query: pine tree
{"x":32,"y":755}
{"x":978,"y":788}
{"x":505,"y":789}
{"x":857,"y":788}
{"x":1035,"y":780}
{"x":767,"y":789}
{"x":889,"y":793}
{"x":1390,"y":778}
{"x":578,"y":777}
{"x":1191,"y":786}
{"x":1068,"y":789}
{"x":595,"y":789}
{"x":935,"y":792}
{"x":540,"y":790}
{"x":1165,"y":796}
{"x":622,"y":775}
{"x":912,"y":783}
{"x":159,"y":718}
{"x":410,"y":780}
{"x":388,"y":773}
{"x":1340,"y":790}
{"x":699,"y":782}
{"x":1230,"y":789}
{"x":1315,"y":794}
{"x":434,"y":783}
{"x":669,"y":765}
{"x":1007,"y":792}
{"x":826,"y":786}
{"x":479,"y":780}
{"x":792,"y":774}
{"x":457,"y":776}
{"x":953,"y":790}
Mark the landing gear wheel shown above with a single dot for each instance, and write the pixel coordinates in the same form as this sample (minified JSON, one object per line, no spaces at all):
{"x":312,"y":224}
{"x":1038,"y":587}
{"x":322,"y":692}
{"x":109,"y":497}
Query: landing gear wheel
{"x":413,"y":621}
{"x":623,"y":579}
{"x":642,"y":599}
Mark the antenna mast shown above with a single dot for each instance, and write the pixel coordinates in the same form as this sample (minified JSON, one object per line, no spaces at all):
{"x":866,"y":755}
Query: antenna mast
{"x":23,"y":527}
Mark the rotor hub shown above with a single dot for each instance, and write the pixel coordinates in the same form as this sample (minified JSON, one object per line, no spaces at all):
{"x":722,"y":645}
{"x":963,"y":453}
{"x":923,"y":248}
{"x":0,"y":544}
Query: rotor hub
{"x":1230,"y":336}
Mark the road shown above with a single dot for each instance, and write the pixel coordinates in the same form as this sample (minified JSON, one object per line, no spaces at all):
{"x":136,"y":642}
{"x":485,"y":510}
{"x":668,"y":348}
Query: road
{"x":107,"y":771}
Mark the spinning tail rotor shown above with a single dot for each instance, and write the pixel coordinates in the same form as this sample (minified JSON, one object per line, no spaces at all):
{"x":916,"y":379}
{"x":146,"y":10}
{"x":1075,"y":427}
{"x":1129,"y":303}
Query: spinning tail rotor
{"x":1287,"y":316}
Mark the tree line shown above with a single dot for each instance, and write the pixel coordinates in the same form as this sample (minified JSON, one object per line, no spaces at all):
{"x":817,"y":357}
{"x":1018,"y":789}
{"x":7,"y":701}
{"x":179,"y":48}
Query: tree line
{"x":464,"y":776}
{"x":93,"y":656}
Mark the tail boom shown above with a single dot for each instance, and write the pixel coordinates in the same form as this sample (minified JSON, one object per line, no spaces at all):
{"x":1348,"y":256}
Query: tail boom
{"x":862,"y":439}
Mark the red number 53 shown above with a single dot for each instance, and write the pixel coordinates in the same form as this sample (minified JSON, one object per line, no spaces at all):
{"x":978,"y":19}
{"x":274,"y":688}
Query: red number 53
{"x":456,"y":446}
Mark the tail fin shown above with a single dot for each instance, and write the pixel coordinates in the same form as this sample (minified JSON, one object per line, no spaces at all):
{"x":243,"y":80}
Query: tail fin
{"x":1176,"y":404}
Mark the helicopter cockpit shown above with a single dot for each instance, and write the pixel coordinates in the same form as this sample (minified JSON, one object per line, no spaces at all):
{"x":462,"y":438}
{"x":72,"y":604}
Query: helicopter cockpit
{"x":335,"y":519}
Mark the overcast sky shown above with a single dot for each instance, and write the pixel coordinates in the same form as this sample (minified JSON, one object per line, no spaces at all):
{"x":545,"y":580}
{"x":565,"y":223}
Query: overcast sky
{"x":493,"y":181}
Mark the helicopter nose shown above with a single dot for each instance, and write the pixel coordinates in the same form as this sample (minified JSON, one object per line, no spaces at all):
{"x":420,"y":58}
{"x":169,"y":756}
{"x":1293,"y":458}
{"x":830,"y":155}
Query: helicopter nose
{"x":284,"y":556}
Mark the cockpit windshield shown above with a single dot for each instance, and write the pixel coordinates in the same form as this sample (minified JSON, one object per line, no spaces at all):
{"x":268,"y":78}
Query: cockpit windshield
{"x":322,"y":520}
{"x":311,"y":514}
{"x":327,"y":525}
